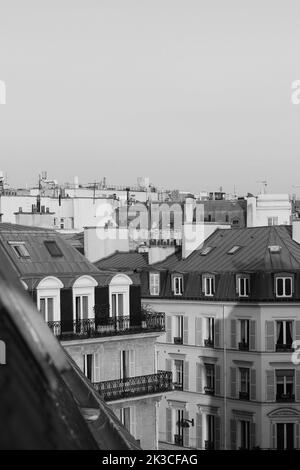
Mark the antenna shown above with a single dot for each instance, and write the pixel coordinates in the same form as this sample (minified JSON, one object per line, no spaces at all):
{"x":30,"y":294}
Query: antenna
{"x":264,"y":184}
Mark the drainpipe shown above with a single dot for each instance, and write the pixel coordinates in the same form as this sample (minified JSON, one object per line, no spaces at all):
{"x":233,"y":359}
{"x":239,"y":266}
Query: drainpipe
{"x":225,"y":379}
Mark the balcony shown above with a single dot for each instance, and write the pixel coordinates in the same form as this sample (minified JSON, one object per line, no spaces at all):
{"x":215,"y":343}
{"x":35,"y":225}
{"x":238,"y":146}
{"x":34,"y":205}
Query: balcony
{"x":244,"y":395}
{"x":209,"y":390}
{"x":92,"y":328}
{"x":135,"y":386}
{"x":285,"y":397}
{"x":284,"y":347}
{"x":208,"y":343}
{"x":209,"y":445}
{"x":243,"y":346}
{"x":178,"y":439}
{"x":178,"y":340}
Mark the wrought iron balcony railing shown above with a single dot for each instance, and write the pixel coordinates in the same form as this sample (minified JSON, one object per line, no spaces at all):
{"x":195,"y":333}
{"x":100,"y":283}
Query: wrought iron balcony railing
{"x":135,"y":386}
{"x":282,"y":397}
{"x":209,"y":343}
{"x":284,"y":347}
{"x":93,"y":328}
{"x":244,"y":395}
{"x":209,"y":390}
{"x":178,"y":340}
{"x":243,"y":346}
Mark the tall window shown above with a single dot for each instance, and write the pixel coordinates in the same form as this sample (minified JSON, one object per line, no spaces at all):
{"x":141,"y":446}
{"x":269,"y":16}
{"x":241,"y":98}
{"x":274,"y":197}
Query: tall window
{"x":209,"y":285}
{"x":285,"y":436}
{"x":245,"y":434}
{"x":178,"y":375}
{"x":117,"y":307}
{"x":284,"y":286}
{"x":244,"y":335}
{"x":88,"y":366}
{"x":178,"y":438}
{"x":285,"y":385}
{"x":210,"y":432}
{"x":284,"y":330}
{"x":178,"y":338}
{"x":178,"y":285}
{"x":244,"y":383}
{"x":210,"y":332}
{"x":154,"y":283}
{"x":47,"y":308}
{"x":125,"y":417}
{"x":243,"y":286}
{"x":210,"y":379}
{"x":81,"y":307}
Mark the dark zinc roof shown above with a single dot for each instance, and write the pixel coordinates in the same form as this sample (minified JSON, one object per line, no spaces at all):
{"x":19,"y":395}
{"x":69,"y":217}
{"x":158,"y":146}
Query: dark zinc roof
{"x":253,"y":256}
{"x":121,"y":260}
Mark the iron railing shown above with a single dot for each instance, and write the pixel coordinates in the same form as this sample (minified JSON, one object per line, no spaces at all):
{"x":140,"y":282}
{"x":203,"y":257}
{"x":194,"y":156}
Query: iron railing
{"x":243,"y":346}
{"x":209,"y":343}
{"x":134,"y":386}
{"x":92,"y":328}
{"x":285,"y":397}
{"x":283,"y":347}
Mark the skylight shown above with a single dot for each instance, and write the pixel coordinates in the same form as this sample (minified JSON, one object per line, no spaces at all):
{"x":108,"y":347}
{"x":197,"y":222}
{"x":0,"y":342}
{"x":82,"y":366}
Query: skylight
{"x":233,"y":250}
{"x":53,"y":248}
{"x":274,"y":248}
{"x":206,"y":250}
{"x":20,"y":249}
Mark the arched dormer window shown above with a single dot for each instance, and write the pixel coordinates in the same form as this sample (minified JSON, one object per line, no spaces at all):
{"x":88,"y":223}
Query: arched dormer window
{"x":48,"y":298}
{"x":84,"y":298}
{"x":119,"y":288}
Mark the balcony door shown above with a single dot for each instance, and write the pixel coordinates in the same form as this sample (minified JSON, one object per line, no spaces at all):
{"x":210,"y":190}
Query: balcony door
{"x":47,"y":308}
{"x":178,"y":437}
{"x":117,"y":308}
{"x":285,"y":436}
{"x":81,"y":307}
{"x":88,"y":366}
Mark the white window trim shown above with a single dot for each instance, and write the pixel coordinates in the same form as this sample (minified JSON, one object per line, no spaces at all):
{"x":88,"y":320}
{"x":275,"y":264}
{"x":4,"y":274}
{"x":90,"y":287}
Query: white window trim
{"x":120,"y":284}
{"x":50,"y":287}
{"x":180,"y":292}
{"x":212,"y":280}
{"x":276,"y":287}
{"x":154,"y":283}
{"x":244,"y":279}
{"x":84,"y":286}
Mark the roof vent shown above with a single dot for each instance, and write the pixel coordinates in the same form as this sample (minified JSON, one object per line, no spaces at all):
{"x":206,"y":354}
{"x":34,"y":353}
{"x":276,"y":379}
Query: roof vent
{"x":274,"y":248}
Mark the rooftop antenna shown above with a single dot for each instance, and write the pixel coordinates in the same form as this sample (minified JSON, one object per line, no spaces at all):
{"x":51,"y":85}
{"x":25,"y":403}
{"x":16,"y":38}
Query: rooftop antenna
{"x":264,"y":185}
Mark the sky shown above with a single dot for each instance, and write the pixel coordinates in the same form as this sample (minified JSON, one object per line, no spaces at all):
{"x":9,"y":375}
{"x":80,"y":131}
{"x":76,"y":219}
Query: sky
{"x":195,"y":94}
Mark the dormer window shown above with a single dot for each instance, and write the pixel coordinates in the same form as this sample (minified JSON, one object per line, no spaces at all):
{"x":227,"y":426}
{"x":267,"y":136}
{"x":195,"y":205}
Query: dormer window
{"x":178,"y":285}
{"x":20,"y":249}
{"x":243,"y":285}
{"x":154,"y":283}
{"x":208,"y":283}
{"x":284,"y":286}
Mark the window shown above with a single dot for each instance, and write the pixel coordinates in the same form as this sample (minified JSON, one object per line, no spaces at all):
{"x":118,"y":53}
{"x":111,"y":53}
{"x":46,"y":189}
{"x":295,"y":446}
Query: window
{"x":117,"y":307}
{"x":209,"y":285}
{"x":20,"y":249}
{"x":178,"y":375}
{"x":272,"y":221}
{"x":62,"y":223}
{"x":88,"y":366}
{"x":285,"y":436}
{"x":285,"y":385}
{"x":233,"y":250}
{"x":243,"y":286}
{"x":178,"y":338}
{"x":284,"y":331}
{"x":210,"y":432}
{"x":210,"y":379}
{"x":53,"y":248}
{"x":284,"y":286}
{"x":154,"y":284}
{"x":125,"y":417}
{"x":178,"y":285}
{"x":244,"y":335}
{"x":81,"y":307}
{"x":47,"y":308}
{"x":244,"y":383}
{"x":178,"y":437}
{"x":245,"y":434}
{"x":210,"y":332}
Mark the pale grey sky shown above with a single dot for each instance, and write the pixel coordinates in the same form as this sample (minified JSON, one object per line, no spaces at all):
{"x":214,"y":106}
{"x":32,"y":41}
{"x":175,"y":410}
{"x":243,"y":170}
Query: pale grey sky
{"x":194,"y":93}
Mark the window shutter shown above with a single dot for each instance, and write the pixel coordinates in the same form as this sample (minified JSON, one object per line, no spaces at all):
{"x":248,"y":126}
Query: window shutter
{"x":252,"y":435}
{"x":217,"y":341}
{"x":297,"y":391}
{"x":169,"y":329}
{"x":198,"y":332}
{"x":169,"y":425}
{"x":252,"y":335}
{"x":101,"y":305}
{"x":273,"y":436}
{"x":186,"y":330}
{"x":133,"y":421}
{"x":233,"y":334}
{"x":297,"y":436}
{"x":252,"y":384}
{"x":186,"y":375}
{"x":233,"y":426}
{"x":199,"y":431}
{"x":218,"y":380}
{"x":135,"y":305}
{"x":217,"y":432}
{"x":270,"y":335}
{"x":297,"y":330}
{"x":169,"y":365}
{"x":270,"y":391}
{"x":66,"y":308}
{"x":233,"y":378}
{"x":186,"y":431}
{"x":132,"y":363}
{"x":96,"y":377}
{"x":199,"y":375}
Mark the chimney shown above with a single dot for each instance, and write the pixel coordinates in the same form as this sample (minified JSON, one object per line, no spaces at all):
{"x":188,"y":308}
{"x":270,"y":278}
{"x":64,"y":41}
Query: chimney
{"x":296,"y":229}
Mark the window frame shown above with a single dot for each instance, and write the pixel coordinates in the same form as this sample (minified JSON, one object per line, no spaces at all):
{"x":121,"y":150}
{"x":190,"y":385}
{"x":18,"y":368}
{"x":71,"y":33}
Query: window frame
{"x":154,"y":287}
{"x":178,"y":292}
{"x":18,"y":252}
{"x":211,"y":278}
{"x":53,"y":243}
{"x":284,"y":279}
